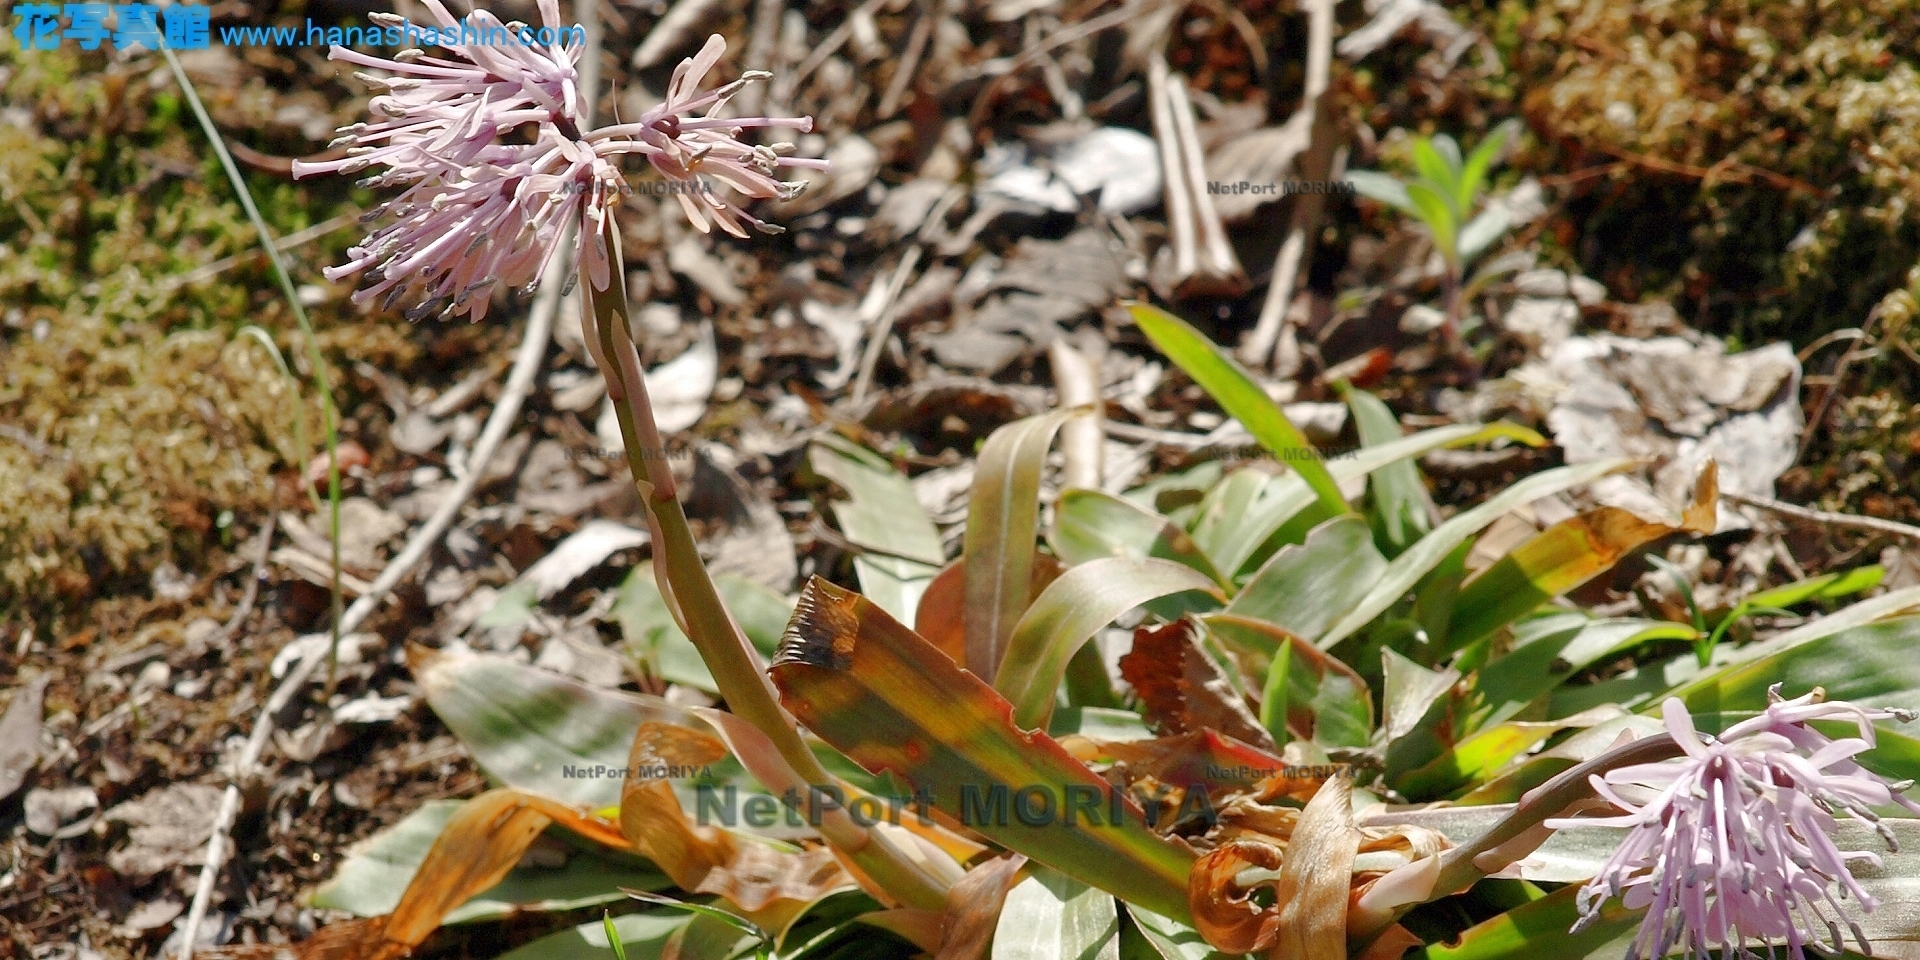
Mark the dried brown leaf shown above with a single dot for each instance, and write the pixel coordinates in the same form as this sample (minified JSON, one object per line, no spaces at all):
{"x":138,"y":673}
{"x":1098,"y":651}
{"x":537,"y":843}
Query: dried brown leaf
{"x":707,"y":859}
{"x":973,"y":908}
{"x":1184,"y":689}
{"x":1316,"y":878}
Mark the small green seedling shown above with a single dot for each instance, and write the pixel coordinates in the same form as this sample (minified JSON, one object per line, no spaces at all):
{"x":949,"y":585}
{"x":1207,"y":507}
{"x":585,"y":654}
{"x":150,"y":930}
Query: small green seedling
{"x":1443,"y":194}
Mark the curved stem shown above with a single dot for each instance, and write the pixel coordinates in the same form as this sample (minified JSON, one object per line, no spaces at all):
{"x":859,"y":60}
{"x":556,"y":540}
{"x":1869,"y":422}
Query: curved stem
{"x":696,"y":604}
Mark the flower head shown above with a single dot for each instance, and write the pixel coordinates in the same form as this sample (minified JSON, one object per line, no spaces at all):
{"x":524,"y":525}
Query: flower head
{"x":682,"y":147}
{"x":491,"y":145}
{"x":1733,"y":842}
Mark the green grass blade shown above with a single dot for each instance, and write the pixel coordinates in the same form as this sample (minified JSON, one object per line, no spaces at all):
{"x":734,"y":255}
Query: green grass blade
{"x":1225,"y":507}
{"x":1067,"y":614}
{"x":320,"y":379}
{"x":1307,"y":587}
{"x":1235,"y":390}
{"x":1536,"y":930}
{"x":1285,"y":496}
{"x":1552,"y":562}
{"x":643,"y":936}
{"x":1089,"y":525}
{"x":1402,"y":510}
{"x":1003,"y":522}
{"x":1406,"y":570}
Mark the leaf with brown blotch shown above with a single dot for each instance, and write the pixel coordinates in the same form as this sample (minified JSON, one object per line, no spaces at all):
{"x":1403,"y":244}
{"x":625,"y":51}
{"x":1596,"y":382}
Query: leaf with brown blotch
{"x":705,"y":859}
{"x":941,"y":615}
{"x":927,"y":847}
{"x":1563,"y":557}
{"x":973,"y":908}
{"x":891,"y":701}
{"x":1183,"y":688}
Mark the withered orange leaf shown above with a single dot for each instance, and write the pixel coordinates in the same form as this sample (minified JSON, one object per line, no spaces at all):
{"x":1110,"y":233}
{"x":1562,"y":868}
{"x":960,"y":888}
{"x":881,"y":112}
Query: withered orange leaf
{"x":1228,"y":918}
{"x":707,"y":859}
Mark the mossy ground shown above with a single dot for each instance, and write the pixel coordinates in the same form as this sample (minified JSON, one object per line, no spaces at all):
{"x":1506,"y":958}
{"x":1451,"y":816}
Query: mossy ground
{"x":140,"y":421}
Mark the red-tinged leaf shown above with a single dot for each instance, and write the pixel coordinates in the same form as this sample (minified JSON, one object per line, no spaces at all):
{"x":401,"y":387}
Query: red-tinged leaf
{"x":1204,"y":758}
{"x":1003,"y":521}
{"x":973,"y":908}
{"x":892,"y":701}
{"x":941,"y":618}
{"x":1184,"y":689}
{"x":1390,"y":945}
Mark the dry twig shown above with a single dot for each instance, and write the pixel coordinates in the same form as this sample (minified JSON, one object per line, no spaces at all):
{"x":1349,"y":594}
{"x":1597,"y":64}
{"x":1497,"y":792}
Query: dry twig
{"x":877,"y":311}
{"x":1317,"y":163}
{"x":1845,"y":520}
{"x":909,"y":62}
{"x":1082,"y":439}
{"x":1191,"y":217}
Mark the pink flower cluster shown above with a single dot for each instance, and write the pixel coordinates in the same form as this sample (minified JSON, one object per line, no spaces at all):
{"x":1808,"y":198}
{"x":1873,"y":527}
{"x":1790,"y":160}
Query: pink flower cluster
{"x":1732,"y":842}
{"x":490,"y":146}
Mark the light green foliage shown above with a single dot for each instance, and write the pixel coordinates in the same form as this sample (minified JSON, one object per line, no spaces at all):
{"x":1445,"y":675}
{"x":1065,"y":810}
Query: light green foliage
{"x":1444,"y":194}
